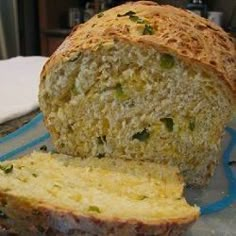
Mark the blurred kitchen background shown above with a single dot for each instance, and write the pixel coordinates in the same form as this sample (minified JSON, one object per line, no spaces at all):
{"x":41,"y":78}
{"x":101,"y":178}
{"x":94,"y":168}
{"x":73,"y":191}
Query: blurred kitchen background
{"x":38,"y":27}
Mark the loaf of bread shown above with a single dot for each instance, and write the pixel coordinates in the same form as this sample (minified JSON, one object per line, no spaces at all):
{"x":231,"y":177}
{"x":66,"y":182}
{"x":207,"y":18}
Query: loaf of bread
{"x":146,"y":82}
{"x":44,"y":194}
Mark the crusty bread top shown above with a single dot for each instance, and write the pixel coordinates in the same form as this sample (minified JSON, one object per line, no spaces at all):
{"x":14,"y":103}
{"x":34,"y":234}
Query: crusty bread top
{"x":176,"y":31}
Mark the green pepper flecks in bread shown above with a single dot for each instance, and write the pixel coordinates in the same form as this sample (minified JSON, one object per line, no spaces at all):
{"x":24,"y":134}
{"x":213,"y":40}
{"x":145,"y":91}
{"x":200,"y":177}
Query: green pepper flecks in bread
{"x":128,"y":13}
{"x":137,"y":19}
{"x":141,"y":197}
{"x":119,"y":93}
{"x":169,"y":123}
{"x":192,"y":124}
{"x":43,"y":148}
{"x":94,"y":209}
{"x":101,"y":14}
{"x":148,"y":30}
{"x":142,"y":136}
{"x":35,"y":175}
{"x":100,"y":155}
{"x":101,"y":140}
{"x":167,"y":61}
{"x":6,"y":168}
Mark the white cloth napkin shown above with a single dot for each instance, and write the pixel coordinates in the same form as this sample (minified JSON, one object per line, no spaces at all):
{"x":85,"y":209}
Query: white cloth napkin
{"x":19,"y":81}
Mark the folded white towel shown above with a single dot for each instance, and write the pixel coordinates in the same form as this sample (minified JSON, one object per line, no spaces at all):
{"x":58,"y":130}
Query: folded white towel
{"x":19,"y":81}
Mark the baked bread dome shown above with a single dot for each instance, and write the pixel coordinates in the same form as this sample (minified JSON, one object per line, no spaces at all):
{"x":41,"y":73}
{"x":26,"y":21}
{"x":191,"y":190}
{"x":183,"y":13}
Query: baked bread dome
{"x":146,"y":82}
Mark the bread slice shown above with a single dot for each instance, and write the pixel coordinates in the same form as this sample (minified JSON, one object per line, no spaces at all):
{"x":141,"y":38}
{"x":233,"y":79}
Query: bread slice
{"x":44,"y":194}
{"x":145,"y":82}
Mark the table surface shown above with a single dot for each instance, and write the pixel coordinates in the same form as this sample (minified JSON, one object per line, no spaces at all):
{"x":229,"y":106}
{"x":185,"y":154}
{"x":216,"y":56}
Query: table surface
{"x":12,"y":125}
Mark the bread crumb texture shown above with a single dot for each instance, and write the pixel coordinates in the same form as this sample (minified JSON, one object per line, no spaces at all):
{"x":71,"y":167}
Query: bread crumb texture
{"x":144,"y":82}
{"x":92,"y":195}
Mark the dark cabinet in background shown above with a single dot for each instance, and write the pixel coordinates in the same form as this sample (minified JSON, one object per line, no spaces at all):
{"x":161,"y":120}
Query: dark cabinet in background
{"x":54,"y":24}
{"x":28,"y":27}
{"x":53,"y":43}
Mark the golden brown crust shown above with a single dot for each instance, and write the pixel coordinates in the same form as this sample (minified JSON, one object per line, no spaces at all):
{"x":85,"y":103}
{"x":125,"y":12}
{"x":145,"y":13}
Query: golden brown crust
{"x":29,"y":219}
{"x":179,"y":32}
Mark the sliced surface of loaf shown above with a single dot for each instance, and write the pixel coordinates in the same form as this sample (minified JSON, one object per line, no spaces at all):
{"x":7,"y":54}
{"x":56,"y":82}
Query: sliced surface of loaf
{"x":45,"y":194}
{"x":145,"y":82}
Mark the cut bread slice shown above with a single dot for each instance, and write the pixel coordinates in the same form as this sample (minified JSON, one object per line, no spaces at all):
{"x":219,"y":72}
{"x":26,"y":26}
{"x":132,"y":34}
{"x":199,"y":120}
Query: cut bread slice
{"x":59,"y":195}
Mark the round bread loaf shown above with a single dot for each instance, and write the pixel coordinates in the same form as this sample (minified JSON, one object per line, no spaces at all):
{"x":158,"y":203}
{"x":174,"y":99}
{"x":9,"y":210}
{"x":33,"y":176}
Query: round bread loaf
{"x":142,"y":81}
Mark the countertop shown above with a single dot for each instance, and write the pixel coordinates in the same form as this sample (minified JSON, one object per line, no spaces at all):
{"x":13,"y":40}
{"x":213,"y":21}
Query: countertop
{"x":12,"y":125}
